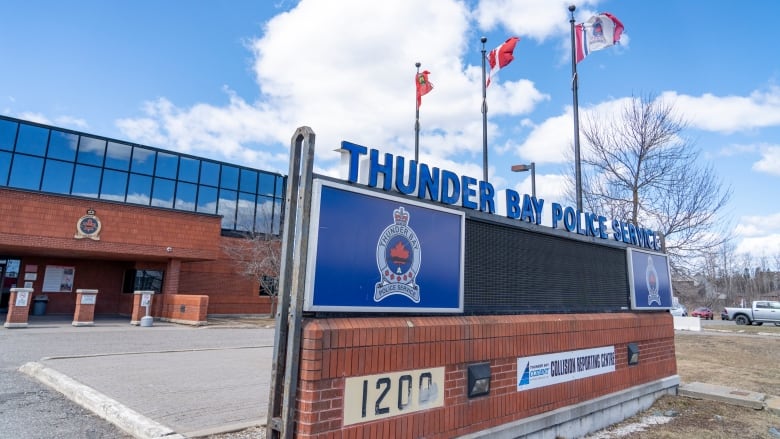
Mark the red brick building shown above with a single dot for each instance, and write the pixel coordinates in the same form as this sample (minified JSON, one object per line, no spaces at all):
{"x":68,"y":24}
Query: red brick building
{"x":87,"y":212}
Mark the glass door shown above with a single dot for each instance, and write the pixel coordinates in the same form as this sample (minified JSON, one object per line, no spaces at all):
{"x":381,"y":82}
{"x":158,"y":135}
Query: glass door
{"x":9,"y":275}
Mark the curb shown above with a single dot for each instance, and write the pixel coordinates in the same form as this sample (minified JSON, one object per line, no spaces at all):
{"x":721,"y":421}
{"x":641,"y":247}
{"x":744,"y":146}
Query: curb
{"x":724,"y":394}
{"x":772,"y":404}
{"x":112,"y":411}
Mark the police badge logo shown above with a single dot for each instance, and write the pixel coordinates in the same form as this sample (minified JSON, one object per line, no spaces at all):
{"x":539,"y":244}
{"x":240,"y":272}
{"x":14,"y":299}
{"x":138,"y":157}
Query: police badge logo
{"x":651,"y":280}
{"x":398,"y":259}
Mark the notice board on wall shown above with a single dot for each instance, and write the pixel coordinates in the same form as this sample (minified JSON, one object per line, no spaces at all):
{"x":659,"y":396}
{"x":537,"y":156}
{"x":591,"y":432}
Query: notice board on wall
{"x":58,"y":279}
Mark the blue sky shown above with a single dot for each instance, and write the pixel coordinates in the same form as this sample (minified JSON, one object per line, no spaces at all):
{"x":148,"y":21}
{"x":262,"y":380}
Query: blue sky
{"x":233,"y":80}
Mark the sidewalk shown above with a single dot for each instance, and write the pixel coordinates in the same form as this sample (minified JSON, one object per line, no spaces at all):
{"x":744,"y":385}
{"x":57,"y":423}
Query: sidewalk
{"x":185,"y":381}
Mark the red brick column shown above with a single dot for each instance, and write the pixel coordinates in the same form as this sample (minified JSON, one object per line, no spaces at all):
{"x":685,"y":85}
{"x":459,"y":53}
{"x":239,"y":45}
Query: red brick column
{"x":172,"y":277}
{"x":139,"y":310}
{"x":85,"y":308}
{"x":18,"y":307}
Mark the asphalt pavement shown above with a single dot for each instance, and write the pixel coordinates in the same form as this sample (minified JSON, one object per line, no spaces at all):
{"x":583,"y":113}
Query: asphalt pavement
{"x":167,"y":380}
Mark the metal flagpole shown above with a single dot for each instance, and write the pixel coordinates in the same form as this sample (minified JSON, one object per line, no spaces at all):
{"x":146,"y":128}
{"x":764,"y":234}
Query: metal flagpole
{"x":417,"y":114}
{"x":577,"y":169}
{"x":484,"y":116}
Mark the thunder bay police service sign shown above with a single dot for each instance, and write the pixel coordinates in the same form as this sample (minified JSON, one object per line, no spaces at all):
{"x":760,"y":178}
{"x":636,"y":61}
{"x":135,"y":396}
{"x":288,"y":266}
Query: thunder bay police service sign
{"x":373,"y":252}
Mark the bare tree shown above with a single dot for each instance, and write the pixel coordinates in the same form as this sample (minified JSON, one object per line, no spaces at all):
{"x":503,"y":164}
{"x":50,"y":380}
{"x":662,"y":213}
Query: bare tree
{"x":257,"y":252}
{"x":639,"y":167}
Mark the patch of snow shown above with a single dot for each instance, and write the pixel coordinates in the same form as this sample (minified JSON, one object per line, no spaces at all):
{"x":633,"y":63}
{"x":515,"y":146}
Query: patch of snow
{"x":630,"y":429}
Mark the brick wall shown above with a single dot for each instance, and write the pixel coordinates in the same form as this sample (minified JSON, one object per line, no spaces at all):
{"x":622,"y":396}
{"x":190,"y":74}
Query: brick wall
{"x":336,"y":349}
{"x":229,"y":291}
{"x":48,"y":222}
{"x":104,"y":276}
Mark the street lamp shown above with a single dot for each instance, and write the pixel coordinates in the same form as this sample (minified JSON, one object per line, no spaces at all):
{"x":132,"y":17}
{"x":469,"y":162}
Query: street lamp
{"x":532,"y":168}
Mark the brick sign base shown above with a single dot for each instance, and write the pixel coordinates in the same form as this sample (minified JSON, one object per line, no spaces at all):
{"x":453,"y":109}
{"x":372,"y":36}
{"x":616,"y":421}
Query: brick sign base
{"x":364,"y":377}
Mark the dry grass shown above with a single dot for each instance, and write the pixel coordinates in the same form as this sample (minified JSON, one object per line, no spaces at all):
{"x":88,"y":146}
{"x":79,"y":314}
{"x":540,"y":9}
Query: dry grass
{"x":746,"y":358}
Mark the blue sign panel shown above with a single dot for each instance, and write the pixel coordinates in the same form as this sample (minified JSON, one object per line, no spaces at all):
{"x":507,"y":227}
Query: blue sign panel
{"x":649,"y":280}
{"x":372,"y":252}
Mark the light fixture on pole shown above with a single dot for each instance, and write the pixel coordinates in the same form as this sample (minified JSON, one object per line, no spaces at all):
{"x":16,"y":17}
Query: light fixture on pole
{"x":532,"y":168}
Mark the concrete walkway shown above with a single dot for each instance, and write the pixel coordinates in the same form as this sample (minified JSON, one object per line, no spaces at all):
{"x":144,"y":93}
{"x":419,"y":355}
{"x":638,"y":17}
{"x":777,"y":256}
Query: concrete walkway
{"x":168,"y":380}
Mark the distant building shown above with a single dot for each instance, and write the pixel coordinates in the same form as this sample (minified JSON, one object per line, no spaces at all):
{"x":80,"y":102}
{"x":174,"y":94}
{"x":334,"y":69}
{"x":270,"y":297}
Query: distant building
{"x":81,"y":211}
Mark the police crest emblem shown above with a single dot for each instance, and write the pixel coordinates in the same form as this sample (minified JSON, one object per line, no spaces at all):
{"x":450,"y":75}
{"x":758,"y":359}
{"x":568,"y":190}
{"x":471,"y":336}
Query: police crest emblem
{"x":651,"y":280}
{"x":398,"y":259}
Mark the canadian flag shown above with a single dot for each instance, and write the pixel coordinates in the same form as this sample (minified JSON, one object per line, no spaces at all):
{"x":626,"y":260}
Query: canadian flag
{"x":501,"y":56}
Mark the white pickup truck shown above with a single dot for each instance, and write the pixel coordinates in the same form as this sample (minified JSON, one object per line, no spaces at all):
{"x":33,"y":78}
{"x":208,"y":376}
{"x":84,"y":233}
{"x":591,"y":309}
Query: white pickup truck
{"x":763,"y":311}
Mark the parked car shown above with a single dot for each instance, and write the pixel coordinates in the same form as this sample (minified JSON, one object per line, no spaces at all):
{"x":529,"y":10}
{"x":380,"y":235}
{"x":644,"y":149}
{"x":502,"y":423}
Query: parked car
{"x":763,"y":311}
{"x":702,"y":312}
{"x":679,"y":311}
{"x":724,"y":315}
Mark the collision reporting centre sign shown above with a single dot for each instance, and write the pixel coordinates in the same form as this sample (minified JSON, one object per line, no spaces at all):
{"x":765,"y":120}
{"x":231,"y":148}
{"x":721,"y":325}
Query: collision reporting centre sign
{"x":560,"y":367}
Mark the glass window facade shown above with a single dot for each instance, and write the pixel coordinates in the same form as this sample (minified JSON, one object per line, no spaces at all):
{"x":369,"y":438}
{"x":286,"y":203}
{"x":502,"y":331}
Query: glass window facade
{"x":40,"y":158}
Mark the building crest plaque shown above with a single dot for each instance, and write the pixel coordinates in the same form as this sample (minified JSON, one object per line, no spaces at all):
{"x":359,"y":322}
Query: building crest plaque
{"x":88,"y":226}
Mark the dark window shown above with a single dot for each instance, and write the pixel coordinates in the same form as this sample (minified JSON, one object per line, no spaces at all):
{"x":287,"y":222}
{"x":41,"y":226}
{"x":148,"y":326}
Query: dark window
{"x":163,"y":193}
{"x":5,"y":165}
{"x":32,"y":140}
{"x":209,"y":173}
{"x":227,"y":208}
{"x":166,"y":165}
{"x":91,"y":151}
{"x":266,"y":184}
{"x":86,"y":181}
{"x":143,"y":280}
{"x":269,"y":285}
{"x":139,"y":190}
{"x":207,"y":199}
{"x":7,"y":134}
{"x":229,"y":179}
{"x":246,"y":212}
{"x":186,"y":194}
{"x":57,"y":177}
{"x":189,"y":169}
{"x":248,"y":181}
{"x":114,"y":185}
{"x":143,"y":161}
{"x":26,"y":172}
{"x":62,"y":146}
{"x":118,"y":156}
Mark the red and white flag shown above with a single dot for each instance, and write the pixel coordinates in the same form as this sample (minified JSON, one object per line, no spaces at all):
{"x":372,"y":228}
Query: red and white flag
{"x":423,"y":85}
{"x":599,"y":32}
{"x":501,"y":56}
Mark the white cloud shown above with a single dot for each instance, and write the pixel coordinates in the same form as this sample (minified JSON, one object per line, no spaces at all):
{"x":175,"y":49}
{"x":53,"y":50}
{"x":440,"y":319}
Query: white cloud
{"x":756,"y":237}
{"x":73,"y":122}
{"x":770,"y":160}
{"x":305,"y":64}
{"x":537,"y":19}
{"x":35,"y":117}
{"x":728,"y":114}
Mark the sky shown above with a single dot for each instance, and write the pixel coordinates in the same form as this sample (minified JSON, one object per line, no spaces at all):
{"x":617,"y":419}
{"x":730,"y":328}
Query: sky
{"x":233,"y":80}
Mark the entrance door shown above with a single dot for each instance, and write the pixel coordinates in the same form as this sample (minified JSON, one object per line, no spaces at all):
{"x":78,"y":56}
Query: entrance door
{"x":9,"y":275}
